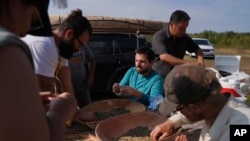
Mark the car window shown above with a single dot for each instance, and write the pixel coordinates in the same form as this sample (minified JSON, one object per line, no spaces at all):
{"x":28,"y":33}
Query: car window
{"x":201,"y":42}
{"x":130,"y":44}
{"x":127,"y":44}
{"x":100,"y":45}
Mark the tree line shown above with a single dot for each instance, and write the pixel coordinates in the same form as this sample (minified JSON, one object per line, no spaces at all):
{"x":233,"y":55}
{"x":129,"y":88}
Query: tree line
{"x":227,"y":39}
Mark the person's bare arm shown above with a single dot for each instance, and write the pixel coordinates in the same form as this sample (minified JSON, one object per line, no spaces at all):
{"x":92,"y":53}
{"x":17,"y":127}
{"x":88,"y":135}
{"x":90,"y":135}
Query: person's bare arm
{"x":65,"y":78}
{"x":129,"y":91}
{"x":23,"y":116}
{"x":162,"y":131}
{"x":61,"y":109}
{"x":200,"y":57}
{"x":170,"y":59}
{"x":92,"y":64}
{"x":167,"y":128}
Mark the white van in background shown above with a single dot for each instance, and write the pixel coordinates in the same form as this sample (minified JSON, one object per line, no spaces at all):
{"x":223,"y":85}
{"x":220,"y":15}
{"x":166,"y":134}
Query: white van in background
{"x":206,"y":47}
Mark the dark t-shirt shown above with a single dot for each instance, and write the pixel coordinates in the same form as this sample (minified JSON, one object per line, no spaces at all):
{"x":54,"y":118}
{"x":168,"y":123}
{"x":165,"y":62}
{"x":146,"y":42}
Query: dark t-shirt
{"x":164,"y":43}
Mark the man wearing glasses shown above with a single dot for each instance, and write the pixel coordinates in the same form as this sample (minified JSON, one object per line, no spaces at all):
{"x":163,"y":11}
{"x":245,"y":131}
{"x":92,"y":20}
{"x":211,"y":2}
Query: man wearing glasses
{"x":197,"y":93}
{"x":51,"y":51}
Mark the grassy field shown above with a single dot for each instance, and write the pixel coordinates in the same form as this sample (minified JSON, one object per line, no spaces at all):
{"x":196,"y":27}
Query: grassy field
{"x":244,"y":63}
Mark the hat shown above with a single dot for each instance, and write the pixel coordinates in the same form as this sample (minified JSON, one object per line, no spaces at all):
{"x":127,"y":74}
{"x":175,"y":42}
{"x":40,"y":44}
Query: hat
{"x":190,"y":83}
{"x":46,"y":30}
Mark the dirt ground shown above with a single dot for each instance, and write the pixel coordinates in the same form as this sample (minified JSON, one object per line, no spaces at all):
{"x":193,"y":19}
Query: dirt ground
{"x":244,"y":62}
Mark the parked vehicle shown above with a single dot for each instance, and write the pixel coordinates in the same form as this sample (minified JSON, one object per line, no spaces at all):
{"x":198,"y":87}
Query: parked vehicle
{"x":206,"y":47}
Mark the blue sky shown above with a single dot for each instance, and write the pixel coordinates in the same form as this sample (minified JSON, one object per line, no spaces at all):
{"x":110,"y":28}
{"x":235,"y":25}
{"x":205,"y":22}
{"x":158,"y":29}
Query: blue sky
{"x":215,"y":15}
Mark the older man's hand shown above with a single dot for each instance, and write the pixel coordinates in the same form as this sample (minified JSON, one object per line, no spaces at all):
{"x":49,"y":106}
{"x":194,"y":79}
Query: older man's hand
{"x":162,"y":131}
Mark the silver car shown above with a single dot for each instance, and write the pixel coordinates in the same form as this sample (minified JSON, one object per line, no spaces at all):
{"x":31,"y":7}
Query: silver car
{"x":206,"y":47}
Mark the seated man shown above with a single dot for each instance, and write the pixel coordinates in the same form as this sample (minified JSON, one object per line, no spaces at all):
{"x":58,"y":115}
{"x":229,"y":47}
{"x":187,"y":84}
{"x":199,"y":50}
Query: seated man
{"x":141,"y":82}
{"x":197,"y":93}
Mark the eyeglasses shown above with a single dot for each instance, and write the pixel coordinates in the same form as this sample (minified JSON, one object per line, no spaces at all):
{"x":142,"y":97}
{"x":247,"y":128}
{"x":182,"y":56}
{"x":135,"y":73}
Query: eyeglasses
{"x":79,"y":42}
{"x":38,"y":24}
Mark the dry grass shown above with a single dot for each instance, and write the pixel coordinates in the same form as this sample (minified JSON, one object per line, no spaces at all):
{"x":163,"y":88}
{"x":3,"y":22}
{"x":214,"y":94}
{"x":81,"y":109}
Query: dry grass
{"x":245,"y":58}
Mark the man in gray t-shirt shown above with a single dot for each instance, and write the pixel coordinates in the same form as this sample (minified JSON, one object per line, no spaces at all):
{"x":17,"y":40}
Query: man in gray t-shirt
{"x":171,"y":43}
{"x":82,"y":67}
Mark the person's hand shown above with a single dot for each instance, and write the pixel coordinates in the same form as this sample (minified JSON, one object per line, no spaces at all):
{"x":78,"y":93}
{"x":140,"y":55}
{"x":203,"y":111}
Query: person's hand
{"x":46,"y":97}
{"x":62,"y":107}
{"x":128,"y":91}
{"x":85,"y":116}
{"x":162,"y":131}
{"x":201,"y":64}
{"x":200,"y":61}
{"x":181,"y":138}
{"x":116,"y":88}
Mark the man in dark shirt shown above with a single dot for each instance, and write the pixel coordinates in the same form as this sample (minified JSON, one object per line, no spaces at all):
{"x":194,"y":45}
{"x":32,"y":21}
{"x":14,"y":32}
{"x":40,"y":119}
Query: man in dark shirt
{"x":171,"y":43}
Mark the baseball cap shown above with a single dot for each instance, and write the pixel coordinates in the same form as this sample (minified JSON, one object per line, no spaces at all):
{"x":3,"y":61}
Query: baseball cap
{"x":190,"y":83}
{"x":45,"y":29}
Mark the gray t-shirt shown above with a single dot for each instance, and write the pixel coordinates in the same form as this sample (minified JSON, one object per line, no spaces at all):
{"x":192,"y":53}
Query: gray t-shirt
{"x":164,"y":43}
{"x":78,"y":65}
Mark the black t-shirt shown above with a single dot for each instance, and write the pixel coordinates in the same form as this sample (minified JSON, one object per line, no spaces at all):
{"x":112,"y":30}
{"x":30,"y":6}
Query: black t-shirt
{"x":164,"y":43}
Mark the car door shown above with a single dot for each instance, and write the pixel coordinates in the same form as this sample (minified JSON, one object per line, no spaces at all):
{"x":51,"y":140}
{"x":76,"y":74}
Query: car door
{"x":109,"y":58}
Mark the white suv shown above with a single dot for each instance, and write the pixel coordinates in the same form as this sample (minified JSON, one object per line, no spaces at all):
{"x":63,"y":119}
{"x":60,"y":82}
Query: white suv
{"x":206,"y":47}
